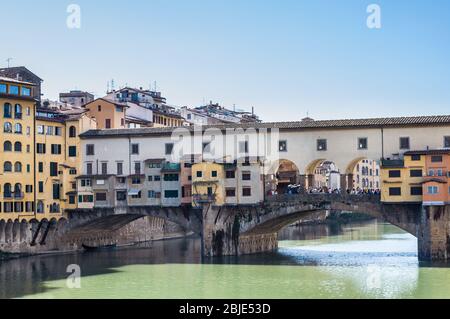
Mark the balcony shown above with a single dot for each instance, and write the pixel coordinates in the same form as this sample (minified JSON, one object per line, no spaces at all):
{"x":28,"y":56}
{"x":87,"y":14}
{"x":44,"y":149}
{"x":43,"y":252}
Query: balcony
{"x":204,"y":198}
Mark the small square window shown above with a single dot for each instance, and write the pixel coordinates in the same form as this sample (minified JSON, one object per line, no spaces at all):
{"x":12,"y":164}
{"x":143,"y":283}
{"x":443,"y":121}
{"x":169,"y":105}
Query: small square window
{"x":199,"y":174}
{"x":321,"y":145}
{"x":404,"y":143}
{"x":282,"y":146}
{"x":214,"y":174}
{"x":362,"y":143}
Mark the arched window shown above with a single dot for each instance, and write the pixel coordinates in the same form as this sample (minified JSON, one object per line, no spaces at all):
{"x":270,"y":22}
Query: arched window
{"x":18,"y":167}
{"x":18,"y":128}
{"x":17,"y":147}
{"x":7,"y":167}
{"x":18,"y":190}
{"x":40,"y":207}
{"x":72,"y":131}
{"x":18,"y":111}
{"x":7,"y":127}
{"x":7,"y":190}
{"x":7,"y":110}
{"x":7,"y":146}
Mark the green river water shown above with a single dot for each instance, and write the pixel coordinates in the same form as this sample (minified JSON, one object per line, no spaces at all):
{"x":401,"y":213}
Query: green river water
{"x":369,"y":260}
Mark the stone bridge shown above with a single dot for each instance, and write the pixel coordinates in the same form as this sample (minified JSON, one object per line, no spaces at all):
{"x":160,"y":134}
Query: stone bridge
{"x":225,"y":230}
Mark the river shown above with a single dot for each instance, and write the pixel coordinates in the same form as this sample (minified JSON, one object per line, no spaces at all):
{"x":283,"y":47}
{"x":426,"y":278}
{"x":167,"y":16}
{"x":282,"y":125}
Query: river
{"x":364,"y":260}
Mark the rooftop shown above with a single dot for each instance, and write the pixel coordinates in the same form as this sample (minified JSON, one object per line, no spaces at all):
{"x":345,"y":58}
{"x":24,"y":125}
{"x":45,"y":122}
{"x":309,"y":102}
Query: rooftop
{"x":287,"y":126}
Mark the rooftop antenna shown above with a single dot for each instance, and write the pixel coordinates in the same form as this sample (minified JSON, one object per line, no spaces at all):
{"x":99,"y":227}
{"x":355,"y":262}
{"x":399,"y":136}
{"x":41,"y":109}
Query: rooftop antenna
{"x":112,"y":85}
{"x":155,"y":86}
{"x":107,"y":87}
{"x":8,"y":60}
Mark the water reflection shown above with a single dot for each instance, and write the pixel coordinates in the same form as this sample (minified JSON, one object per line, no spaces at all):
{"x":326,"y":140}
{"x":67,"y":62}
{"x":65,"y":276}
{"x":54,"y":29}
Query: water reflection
{"x":369,"y":260}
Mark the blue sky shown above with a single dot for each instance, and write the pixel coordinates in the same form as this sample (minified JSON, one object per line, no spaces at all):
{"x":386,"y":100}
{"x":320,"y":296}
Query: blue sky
{"x":285,"y":58}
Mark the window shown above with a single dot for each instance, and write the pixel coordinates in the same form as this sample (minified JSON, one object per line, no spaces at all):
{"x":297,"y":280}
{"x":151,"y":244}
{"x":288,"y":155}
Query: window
{"x":416,"y":190}
{"x":49,"y":130}
{"x":29,"y":188}
{"x":29,"y":207}
{"x":72,"y":151}
{"x":41,"y":187}
{"x":7,"y":127}
{"x":439,"y":172}
{"x":120,"y":168}
{"x":157,"y":178}
{"x":207,"y":147}
{"x":171,"y":177}
{"x":100,"y":197}
{"x":137,"y":196}
{"x":230,"y":174}
{"x":90,"y":149}
{"x":230,"y":192}
{"x":395,"y":191}
{"x":89,"y":168}
{"x":40,"y":207}
{"x":56,"y":191}
{"x":432,"y":190}
{"x":415,"y":173}
{"x":7,"y":111}
{"x":7,"y":207}
{"x":28,"y":168}
{"x":214,"y":174}
{"x":18,"y":167}
{"x":171,"y":194}
{"x":135,"y":149}
{"x":150,"y":178}
{"x":362,"y":143}
{"x":169,"y":148}
{"x":40,"y":148}
{"x":72,"y":200}
{"x":394,"y":173}
{"x":72,"y":132}
{"x":86,"y":198}
{"x":28,"y":148}
{"x":73,"y":171}
{"x":447,"y":141}
{"x":7,"y":191}
{"x":13,"y":89}
{"x":28,"y":111}
{"x":121,"y":196}
{"x":40,"y":129}
{"x":416,"y":158}
{"x":25,"y":91}
{"x":3,"y":88}
{"x":107,"y":123}
{"x":18,"y":128}
{"x":246,"y":176}
{"x":58,"y":131}
{"x":136,"y":180}
{"x":56,"y":149}
{"x":18,"y":207}
{"x":404,"y":143}
{"x":7,"y":146}
{"x":86,"y":183}
{"x":18,"y":111}
{"x":53,"y":169}
{"x":321,"y":145}
{"x":246,"y":192}
{"x":17,"y":147}
{"x":282,"y":146}
{"x":99,"y":108}
{"x":199,"y":174}
{"x":41,"y":167}
{"x":104,"y":168}
{"x":151,"y":194}
{"x":7,"y":167}
{"x":436,"y":159}
{"x":137,"y":167}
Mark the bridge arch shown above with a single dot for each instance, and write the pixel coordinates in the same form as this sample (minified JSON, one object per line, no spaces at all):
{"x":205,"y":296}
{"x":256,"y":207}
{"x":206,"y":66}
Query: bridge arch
{"x":363,"y":173}
{"x":282,"y":173}
{"x":323,"y":173}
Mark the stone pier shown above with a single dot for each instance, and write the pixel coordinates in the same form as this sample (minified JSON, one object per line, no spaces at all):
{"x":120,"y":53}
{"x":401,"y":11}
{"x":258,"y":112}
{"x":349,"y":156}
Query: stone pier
{"x":434,"y":233}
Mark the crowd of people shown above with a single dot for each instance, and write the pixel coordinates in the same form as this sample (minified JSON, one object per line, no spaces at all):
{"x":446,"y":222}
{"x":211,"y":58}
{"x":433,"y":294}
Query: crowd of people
{"x":298,"y":189}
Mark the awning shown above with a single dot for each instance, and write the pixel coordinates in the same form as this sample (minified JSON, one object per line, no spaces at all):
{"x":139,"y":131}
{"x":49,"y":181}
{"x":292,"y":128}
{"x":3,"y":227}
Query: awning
{"x":133,"y":192}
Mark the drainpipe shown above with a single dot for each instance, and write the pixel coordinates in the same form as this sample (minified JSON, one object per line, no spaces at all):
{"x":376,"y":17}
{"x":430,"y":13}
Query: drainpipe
{"x":382,"y":143}
{"x":34,"y":162}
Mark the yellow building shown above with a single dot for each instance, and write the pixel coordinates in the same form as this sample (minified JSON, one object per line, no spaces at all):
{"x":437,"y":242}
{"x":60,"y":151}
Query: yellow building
{"x":17,"y":156}
{"x":58,"y":159}
{"x":208,"y":184}
{"x":401,"y":179}
{"x":164,"y":119}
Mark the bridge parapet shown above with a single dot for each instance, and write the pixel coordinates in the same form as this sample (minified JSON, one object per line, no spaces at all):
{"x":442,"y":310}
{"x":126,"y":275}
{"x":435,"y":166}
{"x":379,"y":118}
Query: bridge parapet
{"x":324,"y":198}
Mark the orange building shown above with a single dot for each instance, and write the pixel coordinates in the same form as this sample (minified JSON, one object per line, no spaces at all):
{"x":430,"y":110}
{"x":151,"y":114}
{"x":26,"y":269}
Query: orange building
{"x":108,"y":114}
{"x":436,"y":187}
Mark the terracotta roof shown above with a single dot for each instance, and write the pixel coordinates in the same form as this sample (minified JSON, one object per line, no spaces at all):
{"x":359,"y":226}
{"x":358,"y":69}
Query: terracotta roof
{"x":439,"y":120}
{"x":429,"y":152}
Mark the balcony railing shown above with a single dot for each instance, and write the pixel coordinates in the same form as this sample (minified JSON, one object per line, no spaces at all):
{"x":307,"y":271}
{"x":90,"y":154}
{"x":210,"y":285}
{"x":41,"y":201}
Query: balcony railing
{"x":204,"y":198}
